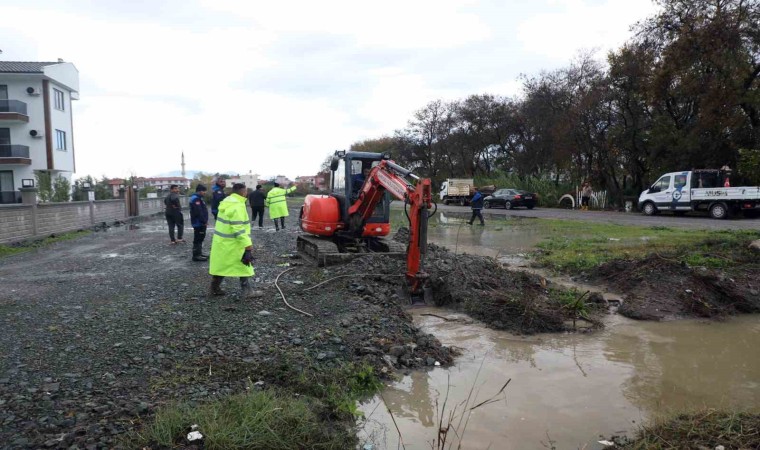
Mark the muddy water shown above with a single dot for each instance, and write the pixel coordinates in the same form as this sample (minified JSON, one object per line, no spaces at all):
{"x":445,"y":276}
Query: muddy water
{"x":571,"y":389}
{"x":498,"y":239}
{"x":567,"y":390}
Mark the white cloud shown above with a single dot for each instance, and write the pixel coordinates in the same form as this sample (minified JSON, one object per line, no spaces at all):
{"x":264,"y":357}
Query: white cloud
{"x":388,"y":24}
{"x":581,"y":24}
{"x":275,"y":86}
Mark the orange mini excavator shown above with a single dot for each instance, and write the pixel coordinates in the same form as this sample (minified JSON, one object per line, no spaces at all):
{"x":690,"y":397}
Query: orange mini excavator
{"x":354,"y":218}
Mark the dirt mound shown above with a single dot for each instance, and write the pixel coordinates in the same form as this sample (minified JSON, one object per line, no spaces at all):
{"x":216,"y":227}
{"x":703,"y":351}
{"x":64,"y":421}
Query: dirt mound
{"x":479,"y":286}
{"x":658,"y":288}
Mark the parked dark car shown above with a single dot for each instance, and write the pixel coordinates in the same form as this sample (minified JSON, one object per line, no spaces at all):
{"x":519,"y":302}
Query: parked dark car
{"x":511,"y":198}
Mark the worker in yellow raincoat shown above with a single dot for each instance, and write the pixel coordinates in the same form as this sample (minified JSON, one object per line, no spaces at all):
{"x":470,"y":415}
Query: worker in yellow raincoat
{"x":232,"y":249}
{"x":278,"y":205}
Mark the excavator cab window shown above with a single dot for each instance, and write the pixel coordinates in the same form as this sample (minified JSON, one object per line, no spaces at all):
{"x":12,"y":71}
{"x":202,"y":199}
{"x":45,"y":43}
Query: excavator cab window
{"x":339,"y":178}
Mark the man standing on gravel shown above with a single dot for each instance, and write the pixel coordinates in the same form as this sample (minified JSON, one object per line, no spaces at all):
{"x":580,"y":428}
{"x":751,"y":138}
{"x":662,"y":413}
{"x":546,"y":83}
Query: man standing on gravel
{"x":278,"y":204}
{"x":257,"y":200}
{"x":173,"y":213}
{"x":199,"y":221}
{"x":232,"y":249}
{"x":217,"y":195}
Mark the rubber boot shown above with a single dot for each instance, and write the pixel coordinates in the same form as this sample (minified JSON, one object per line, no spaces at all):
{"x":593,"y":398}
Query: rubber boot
{"x":246,"y":289}
{"x":216,"y":286}
{"x":198,"y":253}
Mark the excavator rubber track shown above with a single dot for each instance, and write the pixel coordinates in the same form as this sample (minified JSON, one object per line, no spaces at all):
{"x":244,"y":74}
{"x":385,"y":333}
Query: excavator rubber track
{"x":323,"y":251}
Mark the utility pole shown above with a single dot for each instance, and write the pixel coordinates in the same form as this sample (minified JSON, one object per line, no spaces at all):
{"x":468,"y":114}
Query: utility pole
{"x":183,"y":165}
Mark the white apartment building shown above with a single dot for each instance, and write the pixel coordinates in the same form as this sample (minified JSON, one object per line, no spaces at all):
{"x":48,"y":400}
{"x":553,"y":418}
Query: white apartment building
{"x":36,"y":125}
{"x":250,"y":179}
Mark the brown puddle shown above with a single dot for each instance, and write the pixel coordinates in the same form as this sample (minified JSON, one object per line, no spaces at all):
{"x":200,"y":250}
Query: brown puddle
{"x":498,"y":239}
{"x":572,"y":389}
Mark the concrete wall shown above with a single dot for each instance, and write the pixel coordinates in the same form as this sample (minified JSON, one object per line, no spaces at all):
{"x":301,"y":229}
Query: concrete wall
{"x":20,"y":222}
{"x":16,"y":222}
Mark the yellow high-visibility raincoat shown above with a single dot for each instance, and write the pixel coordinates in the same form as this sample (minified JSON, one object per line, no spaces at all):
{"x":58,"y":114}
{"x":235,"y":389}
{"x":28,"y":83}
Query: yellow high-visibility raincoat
{"x":277,"y":203}
{"x":232,"y":234}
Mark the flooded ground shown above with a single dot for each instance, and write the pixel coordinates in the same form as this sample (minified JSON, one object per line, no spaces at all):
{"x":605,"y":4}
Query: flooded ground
{"x":499,"y":239}
{"x":571,"y":389}
{"x":566,"y":390}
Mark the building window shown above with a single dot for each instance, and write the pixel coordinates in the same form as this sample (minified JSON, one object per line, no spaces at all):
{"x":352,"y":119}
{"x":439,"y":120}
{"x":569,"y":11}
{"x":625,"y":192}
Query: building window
{"x":60,"y":140}
{"x":59,"y":101}
{"x":3,"y":92}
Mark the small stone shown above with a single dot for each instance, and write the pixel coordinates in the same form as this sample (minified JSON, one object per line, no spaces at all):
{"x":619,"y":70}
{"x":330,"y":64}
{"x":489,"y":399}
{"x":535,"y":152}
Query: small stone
{"x":264,"y":312}
{"x":430,"y":361}
{"x":397,"y":350}
{"x":321,"y":356}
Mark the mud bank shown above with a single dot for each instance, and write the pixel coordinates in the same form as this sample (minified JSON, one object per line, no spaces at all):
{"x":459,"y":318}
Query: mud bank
{"x":660,"y":288}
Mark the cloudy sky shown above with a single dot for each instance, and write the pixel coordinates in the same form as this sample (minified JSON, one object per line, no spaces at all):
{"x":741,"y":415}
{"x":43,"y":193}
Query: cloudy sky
{"x":273,"y":87}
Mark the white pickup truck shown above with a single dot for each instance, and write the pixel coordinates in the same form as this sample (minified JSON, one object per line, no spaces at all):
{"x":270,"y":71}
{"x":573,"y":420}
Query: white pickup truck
{"x":698,"y":190}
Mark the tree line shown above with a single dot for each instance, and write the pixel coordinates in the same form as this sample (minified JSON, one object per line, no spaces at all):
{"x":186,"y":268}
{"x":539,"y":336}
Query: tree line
{"x":681,"y":93}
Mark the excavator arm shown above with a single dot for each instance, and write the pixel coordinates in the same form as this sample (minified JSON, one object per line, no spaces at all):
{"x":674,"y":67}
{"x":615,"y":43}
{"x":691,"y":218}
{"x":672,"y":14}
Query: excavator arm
{"x":389,"y":177}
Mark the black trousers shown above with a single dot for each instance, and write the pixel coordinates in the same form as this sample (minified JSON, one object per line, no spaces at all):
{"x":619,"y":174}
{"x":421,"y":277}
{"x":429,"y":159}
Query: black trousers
{"x":257,"y":211}
{"x":476,"y":213}
{"x":199,"y":235}
{"x":584,"y":201}
{"x":282,"y":223}
{"x":175,"y":219}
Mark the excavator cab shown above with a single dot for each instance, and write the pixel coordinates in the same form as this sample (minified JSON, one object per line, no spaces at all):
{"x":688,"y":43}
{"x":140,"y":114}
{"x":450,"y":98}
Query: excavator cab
{"x":350,"y":171}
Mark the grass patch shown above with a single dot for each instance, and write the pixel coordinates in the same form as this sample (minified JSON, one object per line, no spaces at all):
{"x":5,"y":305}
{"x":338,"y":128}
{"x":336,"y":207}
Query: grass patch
{"x":26,"y":246}
{"x":573,"y":246}
{"x":266,"y":419}
{"x":306,"y":407}
{"x":704,"y":429}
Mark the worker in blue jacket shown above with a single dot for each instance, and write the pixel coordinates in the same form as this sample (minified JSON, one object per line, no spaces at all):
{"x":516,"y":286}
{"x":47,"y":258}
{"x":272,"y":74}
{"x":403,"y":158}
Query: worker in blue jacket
{"x":199,"y":221}
{"x":476,"y":203}
{"x":217,"y":195}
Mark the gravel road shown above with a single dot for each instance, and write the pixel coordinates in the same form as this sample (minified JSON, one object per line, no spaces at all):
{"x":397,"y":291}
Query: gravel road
{"x":99,"y":331}
{"x":665,"y":220}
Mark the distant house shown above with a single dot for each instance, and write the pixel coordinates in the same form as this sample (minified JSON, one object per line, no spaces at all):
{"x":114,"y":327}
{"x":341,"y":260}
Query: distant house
{"x":36,"y":125}
{"x":306,"y":180}
{"x":282,"y":180}
{"x":250,"y":179}
{"x":161,"y":184}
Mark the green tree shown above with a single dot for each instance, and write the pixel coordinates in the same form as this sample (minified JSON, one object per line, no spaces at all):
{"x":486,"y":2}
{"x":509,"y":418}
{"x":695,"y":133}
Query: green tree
{"x":79,"y":193}
{"x":147,"y":190}
{"x":103,"y":190}
{"x":61,"y":189}
{"x":749,"y":165}
{"x":44,"y":185}
{"x":705,"y":93}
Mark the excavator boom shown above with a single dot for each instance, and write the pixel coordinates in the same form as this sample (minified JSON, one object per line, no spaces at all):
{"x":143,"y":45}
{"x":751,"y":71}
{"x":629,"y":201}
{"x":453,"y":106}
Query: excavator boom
{"x":388,"y":177}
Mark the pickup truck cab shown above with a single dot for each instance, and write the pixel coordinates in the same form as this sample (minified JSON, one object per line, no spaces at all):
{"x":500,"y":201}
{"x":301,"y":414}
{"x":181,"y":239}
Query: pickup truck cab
{"x":698,"y":190}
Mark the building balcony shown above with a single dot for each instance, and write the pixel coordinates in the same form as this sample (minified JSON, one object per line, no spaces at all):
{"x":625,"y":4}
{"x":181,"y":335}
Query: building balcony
{"x":14,"y":155}
{"x":9,"y":197}
{"x":13,"y":111}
